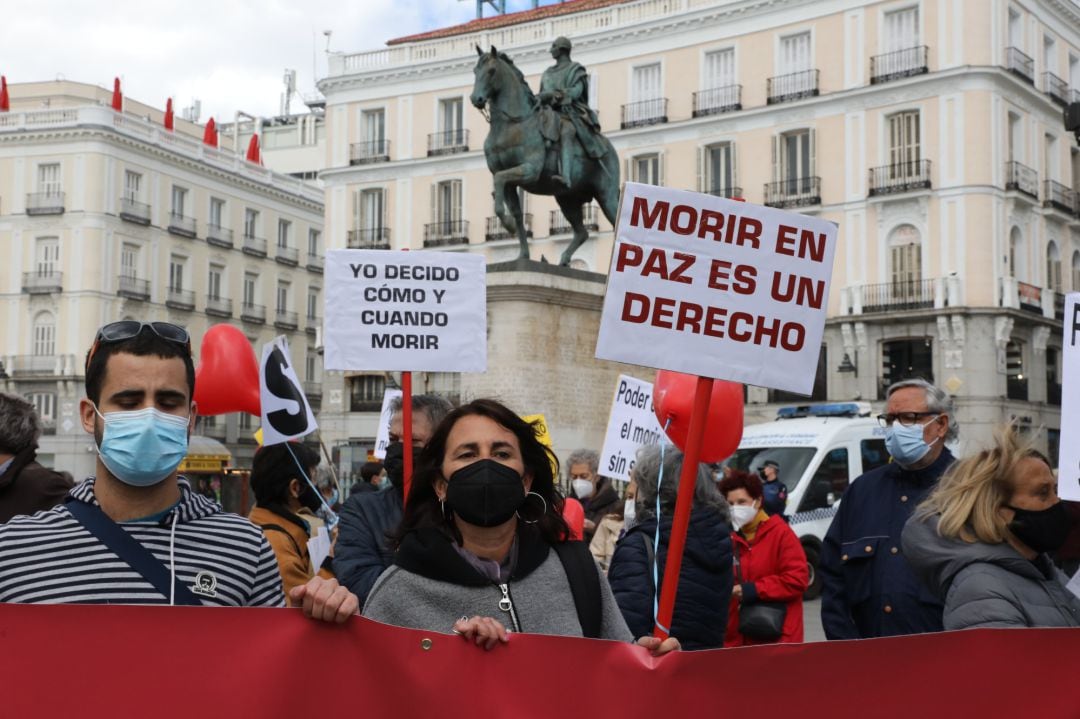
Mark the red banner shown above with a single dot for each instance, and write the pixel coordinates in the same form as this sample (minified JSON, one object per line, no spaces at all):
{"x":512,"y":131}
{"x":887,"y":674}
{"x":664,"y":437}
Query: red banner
{"x":109,"y":661}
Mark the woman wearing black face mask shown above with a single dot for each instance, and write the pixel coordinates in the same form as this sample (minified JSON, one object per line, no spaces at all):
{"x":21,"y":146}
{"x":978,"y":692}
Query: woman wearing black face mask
{"x":981,"y":539}
{"x":482,"y":548}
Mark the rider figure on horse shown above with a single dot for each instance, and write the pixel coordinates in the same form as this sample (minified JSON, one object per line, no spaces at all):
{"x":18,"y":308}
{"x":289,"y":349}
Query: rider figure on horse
{"x":564,"y":95}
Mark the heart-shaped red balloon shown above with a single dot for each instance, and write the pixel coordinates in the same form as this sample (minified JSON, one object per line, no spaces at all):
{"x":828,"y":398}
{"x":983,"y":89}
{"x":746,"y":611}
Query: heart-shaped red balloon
{"x":227,"y":378}
{"x":673,"y":398}
{"x":574,"y":514}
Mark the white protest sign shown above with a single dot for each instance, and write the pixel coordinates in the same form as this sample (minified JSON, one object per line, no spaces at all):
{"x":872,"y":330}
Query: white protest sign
{"x":1069,"y":454}
{"x":286,"y":414}
{"x":382,"y":437}
{"x":717,"y":288}
{"x":631,"y":424}
{"x":409,"y":311}
{"x":319,"y":548}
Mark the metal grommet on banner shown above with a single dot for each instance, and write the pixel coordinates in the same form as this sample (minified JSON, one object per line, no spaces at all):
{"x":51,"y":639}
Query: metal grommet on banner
{"x":426,"y":644}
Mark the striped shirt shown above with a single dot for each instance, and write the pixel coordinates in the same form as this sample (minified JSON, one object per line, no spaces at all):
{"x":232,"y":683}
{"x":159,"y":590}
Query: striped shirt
{"x":51,"y":558}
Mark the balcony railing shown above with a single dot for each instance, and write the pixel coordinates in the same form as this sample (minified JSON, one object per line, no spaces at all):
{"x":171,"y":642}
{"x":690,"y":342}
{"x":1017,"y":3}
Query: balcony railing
{"x":42,"y":282}
{"x":180,"y":299}
{"x":363,"y":153}
{"x":45,"y":203}
{"x":220,"y":236}
{"x":900,"y":177}
{"x":1020,"y":64}
{"x":287,"y":256}
{"x":1056,"y":88}
{"x":254,"y":246}
{"x":311,"y":325}
{"x":253,"y":313}
{"x":794,"y":86}
{"x":286,"y":320}
{"x":717,"y":100}
{"x":133,"y":211}
{"x":315,"y":263}
{"x":561,"y":226}
{"x":439,"y":234}
{"x":372,"y":238}
{"x":1057,"y":196}
{"x":730,"y":193}
{"x":800,"y":192}
{"x":216,"y":430}
{"x":181,"y":225}
{"x":899,"y":64}
{"x":133,"y":288}
{"x":312,"y":389}
{"x":645,"y":112}
{"x":494,"y":230}
{"x":218,"y":306}
{"x":34,"y":365}
{"x":447,"y":142}
{"x":1030,"y":297}
{"x":895,"y":296}
{"x":1021,"y":178}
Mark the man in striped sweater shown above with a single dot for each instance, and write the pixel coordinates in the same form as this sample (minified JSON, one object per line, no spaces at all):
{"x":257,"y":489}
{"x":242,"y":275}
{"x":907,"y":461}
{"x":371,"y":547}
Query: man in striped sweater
{"x":140,"y":381}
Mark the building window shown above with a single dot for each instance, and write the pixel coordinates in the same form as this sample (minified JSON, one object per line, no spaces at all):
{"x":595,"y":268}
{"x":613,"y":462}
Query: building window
{"x":1053,"y":376}
{"x":1050,"y":157}
{"x":1016,"y":30}
{"x":366,"y":393}
{"x":1016,"y":381}
{"x":309,"y":364}
{"x":176,"y":273}
{"x":1016,"y":254}
{"x":284,"y":231}
{"x":718,"y":165}
{"x":49,"y":179}
{"x":646,"y":84}
{"x":179,"y":201}
{"x":906,"y":359}
{"x":646,"y":169}
{"x":129,"y":261}
{"x":369,"y":207}
{"x":213,"y":283}
{"x":313,"y":237}
{"x":451,"y":121}
{"x":795,"y":53}
{"x":901,"y":29}
{"x":905,"y":148}
{"x":282,"y":297}
{"x":313,"y":304}
{"x":1015,"y":138}
{"x":245,"y":421}
{"x":217,"y":212}
{"x":250,"y":284}
{"x":447,"y":203}
{"x":793,"y":161}
{"x":46,"y":256}
{"x":373,"y":129}
{"x":132,"y":186}
{"x":251,"y":223}
{"x":1053,"y":267}
{"x":45,"y":406}
{"x":44,"y":335}
{"x":905,"y":259}
{"x":719,"y":69}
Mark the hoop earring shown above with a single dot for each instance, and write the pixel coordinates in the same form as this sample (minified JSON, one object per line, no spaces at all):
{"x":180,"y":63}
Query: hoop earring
{"x":542,"y":513}
{"x":442,"y":508}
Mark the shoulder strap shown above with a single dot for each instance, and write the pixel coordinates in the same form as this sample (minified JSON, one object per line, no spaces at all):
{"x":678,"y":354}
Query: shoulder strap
{"x":584,"y":581}
{"x":129,"y":550}
{"x":279,"y":528}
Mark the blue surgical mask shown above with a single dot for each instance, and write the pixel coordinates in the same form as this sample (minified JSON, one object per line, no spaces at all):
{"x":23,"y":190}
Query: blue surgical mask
{"x":384,"y":481}
{"x":143,"y":447}
{"x":906,"y":444}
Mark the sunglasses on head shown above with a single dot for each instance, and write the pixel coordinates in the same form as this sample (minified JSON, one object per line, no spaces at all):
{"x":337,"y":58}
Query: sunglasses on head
{"x":130,"y":329}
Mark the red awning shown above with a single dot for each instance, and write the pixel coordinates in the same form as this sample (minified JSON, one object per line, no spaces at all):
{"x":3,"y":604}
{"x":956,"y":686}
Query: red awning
{"x":5,"y":101}
{"x":210,"y":134}
{"x":253,"y":154}
{"x":117,"y":96}
{"x":168,"y":114}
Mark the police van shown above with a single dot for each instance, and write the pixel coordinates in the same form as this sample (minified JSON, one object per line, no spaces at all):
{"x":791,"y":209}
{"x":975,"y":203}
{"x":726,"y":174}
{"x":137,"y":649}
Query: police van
{"x":821,"y":449}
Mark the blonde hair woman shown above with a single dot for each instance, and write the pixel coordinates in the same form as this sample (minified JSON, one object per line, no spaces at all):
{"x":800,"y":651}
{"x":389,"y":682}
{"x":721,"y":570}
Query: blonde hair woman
{"x":980,"y":540}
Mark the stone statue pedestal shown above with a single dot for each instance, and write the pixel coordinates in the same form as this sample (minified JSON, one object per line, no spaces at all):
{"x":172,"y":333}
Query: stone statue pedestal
{"x":543,"y":321}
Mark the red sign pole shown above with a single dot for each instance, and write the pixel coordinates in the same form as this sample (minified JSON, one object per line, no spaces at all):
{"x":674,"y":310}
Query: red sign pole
{"x":406,"y":430}
{"x":683,"y":505}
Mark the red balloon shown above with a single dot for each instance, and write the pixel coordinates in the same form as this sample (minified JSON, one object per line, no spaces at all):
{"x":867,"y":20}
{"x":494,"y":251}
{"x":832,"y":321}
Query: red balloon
{"x":227,"y":378}
{"x":574,"y":514}
{"x":673,"y":398}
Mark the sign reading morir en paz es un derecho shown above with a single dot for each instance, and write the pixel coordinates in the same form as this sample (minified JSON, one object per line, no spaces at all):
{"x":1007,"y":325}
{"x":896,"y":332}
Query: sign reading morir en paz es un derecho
{"x":407,"y":311}
{"x":717,"y":288}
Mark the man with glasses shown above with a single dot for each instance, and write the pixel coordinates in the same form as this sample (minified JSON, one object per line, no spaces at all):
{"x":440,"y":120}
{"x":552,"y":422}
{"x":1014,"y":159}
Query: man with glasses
{"x":135,"y":532}
{"x":868,"y":588}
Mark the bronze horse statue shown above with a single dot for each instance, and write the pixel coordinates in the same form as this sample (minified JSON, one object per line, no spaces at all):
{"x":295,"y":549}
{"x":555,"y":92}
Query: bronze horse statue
{"x":518,"y":156}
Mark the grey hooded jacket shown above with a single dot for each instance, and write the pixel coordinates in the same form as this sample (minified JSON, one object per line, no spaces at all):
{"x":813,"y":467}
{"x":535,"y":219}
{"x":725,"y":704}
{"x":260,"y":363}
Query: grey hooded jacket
{"x":988,"y":585}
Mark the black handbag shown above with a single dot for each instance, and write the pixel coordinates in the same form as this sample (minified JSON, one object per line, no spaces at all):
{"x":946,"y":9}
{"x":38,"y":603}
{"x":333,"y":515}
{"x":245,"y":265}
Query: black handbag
{"x":763,"y":621}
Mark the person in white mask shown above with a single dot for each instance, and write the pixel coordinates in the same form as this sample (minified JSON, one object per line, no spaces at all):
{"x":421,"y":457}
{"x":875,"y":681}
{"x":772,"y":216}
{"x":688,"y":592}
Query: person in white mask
{"x":611,"y":528}
{"x":597,"y":495}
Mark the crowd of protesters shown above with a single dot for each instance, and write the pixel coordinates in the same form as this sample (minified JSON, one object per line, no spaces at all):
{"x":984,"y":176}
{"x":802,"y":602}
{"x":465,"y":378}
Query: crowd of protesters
{"x":481,"y":547}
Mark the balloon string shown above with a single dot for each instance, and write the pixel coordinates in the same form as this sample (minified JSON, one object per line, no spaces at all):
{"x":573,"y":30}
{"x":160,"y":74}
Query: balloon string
{"x":656,"y":537}
{"x":331,"y":517}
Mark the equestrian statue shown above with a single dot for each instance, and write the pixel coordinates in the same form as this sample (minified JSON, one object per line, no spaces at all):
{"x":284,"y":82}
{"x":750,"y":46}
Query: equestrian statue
{"x":546,"y":144}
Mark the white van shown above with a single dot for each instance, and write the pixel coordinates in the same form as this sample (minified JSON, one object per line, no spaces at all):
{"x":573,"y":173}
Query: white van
{"x":821,"y":449}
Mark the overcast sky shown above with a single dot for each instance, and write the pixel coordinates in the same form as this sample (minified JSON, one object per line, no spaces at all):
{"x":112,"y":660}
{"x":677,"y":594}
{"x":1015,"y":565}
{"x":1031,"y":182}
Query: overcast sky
{"x":230,"y":54}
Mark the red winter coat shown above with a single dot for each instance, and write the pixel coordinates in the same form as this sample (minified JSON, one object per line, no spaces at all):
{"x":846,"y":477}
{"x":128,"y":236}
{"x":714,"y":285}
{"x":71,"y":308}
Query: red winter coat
{"x":773,"y":569}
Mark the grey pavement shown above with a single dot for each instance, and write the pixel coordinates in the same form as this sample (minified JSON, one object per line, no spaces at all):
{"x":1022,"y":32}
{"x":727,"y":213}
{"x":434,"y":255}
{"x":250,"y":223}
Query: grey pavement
{"x":812,"y":631}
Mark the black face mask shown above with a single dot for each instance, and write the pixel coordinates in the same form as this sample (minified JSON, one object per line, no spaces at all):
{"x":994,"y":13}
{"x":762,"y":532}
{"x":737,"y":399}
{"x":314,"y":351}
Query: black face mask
{"x":485,"y":493}
{"x":1044,"y":530}
{"x":394,"y":462}
{"x":308,"y":496}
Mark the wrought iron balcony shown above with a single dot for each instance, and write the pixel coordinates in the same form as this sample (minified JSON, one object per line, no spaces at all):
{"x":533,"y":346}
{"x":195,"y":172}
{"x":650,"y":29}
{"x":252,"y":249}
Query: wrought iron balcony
{"x":220,"y":236}
{"x":717,"y":100}
{"x":448,"y":142}
{"x":899,"y":177}
{"x":372,"y":238}
{"x":1020,"y":64}
{"x":311,"y":325}
{"x":42,"y":282}
{"x":133,"y":211}
{"x":23,"y":365}
{"x":45,"y":203}
{"x":800,"y":192}
{"x":133,"y":288}
{"x":1022,"y":178}
{"x":440,"y":234}
{"x":254,"y":246}
{"x":561,"y":226}
{"x":313,"y":389}
{"x":730,"y":193}
{"x":250,"y":312}
{"x":1056,"y":88}
{"x":364,"y":153}
{"x":1057,"y":196}
{"x":287,"y":256}
{"x":896,"y":296}
{"x":645,"y":112}
{"x":181,"y":225}
{"x":794,"y":86}
{"x":899,"y":64}
{"x":315,"y":263}
{"x":494,"y":230}
{"x":218,"y":306}
{"x":180,"y":299}
{"x":286,"y":320}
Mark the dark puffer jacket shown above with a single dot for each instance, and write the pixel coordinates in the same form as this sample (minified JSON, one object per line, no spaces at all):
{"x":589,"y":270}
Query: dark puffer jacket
{"x":27,"y":487}
{"x":362,"y":551}
{"x":701,"y":604}
{"x":988,"y":585}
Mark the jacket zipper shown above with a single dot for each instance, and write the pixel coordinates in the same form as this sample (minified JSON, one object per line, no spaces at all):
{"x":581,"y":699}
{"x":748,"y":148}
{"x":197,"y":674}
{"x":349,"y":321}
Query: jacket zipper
{"x":507,"y":605}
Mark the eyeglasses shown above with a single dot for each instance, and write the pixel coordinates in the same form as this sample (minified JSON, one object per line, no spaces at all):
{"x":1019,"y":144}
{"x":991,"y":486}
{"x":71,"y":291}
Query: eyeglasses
{"x":130,"y":329}
{"x":906,"y":419}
